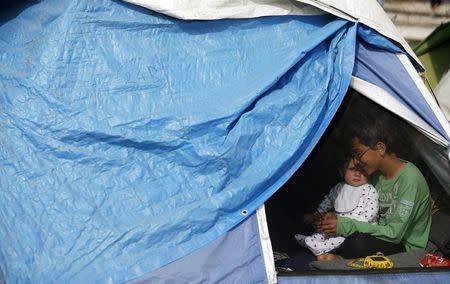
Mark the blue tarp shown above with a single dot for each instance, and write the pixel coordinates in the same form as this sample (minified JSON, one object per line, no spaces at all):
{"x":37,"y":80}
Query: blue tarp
{"x":130,"y":139}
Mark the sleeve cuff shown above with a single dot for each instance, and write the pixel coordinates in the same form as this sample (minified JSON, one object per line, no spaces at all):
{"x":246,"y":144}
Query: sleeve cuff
{"x":342,"y":226}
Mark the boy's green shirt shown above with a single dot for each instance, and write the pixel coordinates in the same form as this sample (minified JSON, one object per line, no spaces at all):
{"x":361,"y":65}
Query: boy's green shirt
{"x":405,"y":210}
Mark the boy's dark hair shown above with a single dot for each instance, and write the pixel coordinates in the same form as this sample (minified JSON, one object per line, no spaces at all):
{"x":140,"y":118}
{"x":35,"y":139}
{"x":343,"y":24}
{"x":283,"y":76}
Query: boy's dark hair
{"x":371,"y":124}
{"x":371,"y":130}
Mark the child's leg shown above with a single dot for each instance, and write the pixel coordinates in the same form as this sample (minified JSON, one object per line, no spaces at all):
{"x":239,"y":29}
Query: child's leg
{"x":310,"y":242}
{"x":318,"y":244}
{"x":300,"y":239}
{"x":319,"y":236}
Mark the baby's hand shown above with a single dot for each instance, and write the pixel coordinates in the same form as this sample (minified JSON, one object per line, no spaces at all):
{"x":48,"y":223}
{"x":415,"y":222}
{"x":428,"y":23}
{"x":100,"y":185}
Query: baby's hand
{"x":328,"y":224}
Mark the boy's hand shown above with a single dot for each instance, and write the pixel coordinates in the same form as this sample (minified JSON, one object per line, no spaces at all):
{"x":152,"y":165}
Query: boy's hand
{"x":328,"y":224}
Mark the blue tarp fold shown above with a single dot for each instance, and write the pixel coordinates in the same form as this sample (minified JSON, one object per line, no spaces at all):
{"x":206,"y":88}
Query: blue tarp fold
{"x":130,"y":139}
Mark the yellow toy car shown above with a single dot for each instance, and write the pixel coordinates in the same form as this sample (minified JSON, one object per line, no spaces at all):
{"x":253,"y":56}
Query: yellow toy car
{"x":377,"y":261}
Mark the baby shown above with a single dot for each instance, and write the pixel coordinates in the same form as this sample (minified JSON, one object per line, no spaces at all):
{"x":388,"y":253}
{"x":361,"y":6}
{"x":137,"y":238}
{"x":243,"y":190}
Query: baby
{"x":354,"y":198}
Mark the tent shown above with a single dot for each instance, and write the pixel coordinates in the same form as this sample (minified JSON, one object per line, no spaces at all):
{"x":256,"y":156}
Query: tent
{"x":140,"y":140}
{"x":434,"y":52}
{"x":441,"y":92}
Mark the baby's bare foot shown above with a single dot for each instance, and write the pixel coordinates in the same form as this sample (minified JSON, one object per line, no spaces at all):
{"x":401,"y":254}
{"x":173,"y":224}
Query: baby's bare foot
{"x":328,"y":256}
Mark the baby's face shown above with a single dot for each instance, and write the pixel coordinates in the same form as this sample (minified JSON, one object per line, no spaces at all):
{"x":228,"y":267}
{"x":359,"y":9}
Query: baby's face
{"x":354,"y":176}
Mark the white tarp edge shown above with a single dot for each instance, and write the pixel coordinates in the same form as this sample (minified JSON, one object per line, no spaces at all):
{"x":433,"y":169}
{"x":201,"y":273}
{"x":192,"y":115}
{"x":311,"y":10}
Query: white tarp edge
{"x":368,"y":12}
{"x":266,"y":245}
{"x":226,"y":9}
{"x":381,"y":97}
{"x":425,"y":93}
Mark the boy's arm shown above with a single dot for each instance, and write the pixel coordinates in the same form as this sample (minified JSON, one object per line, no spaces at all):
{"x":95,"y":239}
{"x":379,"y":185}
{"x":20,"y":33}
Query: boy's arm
{"x":395,"y":227}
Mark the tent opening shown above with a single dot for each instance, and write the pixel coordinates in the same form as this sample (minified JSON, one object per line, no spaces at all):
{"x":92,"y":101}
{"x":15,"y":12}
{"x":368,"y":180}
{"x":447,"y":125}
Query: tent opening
{"x":314,"y":179}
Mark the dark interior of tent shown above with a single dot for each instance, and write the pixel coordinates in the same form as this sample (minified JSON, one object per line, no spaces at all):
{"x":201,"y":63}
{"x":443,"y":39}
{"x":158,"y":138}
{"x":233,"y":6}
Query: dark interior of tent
{"x":313,"y":180}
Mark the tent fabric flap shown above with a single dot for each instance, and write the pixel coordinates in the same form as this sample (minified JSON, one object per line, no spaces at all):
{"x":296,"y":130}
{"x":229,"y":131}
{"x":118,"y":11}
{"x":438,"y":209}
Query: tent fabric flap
{"x":385,"y":70}
{"x":236,"y":256}
{"x":131,"y":139}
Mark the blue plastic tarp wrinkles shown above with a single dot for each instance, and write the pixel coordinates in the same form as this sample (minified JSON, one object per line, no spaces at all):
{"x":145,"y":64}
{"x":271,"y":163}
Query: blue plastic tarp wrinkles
{"x":130,"y":139}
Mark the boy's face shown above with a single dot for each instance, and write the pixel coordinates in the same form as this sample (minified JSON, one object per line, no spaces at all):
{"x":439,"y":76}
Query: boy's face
{"x":365,"y":157}
{"x":354,"y":176}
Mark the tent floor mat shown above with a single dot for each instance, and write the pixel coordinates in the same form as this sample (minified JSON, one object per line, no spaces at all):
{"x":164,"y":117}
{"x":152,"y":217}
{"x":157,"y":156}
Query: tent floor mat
{"x":409,"y":259}
{"x":295,"y":261}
